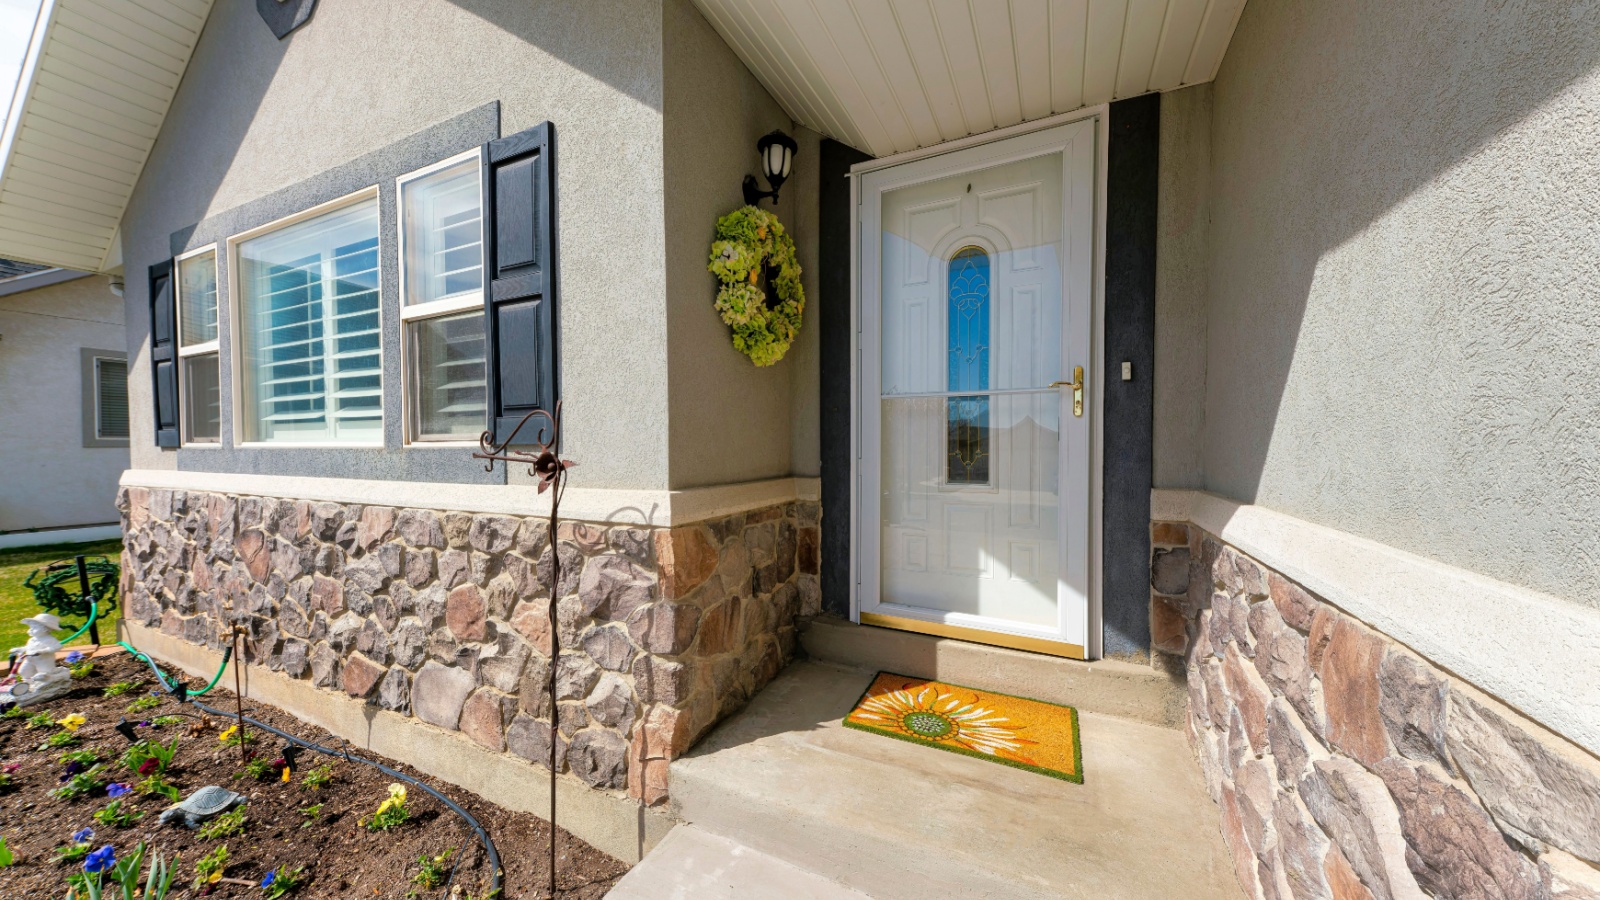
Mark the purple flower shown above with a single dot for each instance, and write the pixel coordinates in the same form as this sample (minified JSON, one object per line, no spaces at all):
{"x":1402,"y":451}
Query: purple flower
{"x":74,"y":658}
{"x":116,"y":789}
{"x":82,"y":837}
{"x":271,"y":877}
{"x":100,"y":860}
{"x":74,"y":767}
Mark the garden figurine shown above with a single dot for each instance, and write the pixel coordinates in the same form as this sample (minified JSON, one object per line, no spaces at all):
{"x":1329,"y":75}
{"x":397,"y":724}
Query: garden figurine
{"x":201,"y":806}
{"x":38,"y":678}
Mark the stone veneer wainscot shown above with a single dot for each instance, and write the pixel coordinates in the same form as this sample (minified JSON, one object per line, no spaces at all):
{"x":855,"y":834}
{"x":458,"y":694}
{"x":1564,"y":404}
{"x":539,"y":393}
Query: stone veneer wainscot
{"x":443,"y":615}
{"x":1347,"y":766}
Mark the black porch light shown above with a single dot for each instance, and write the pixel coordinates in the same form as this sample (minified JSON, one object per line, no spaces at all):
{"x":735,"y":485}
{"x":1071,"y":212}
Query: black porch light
{"x":777,"y":156}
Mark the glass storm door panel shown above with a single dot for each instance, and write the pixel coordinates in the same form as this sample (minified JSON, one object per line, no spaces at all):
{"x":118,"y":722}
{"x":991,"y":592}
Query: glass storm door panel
{"x":981,"y":297}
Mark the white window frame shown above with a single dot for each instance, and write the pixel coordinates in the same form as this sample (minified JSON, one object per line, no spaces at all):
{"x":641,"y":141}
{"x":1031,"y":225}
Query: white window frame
{"x":201,"y":349}
{"x":235,"y":297}
{"x":434,"y":309}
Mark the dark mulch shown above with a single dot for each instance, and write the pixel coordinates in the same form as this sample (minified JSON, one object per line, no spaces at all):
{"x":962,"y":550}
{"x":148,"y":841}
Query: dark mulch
{"x":344,"y":859}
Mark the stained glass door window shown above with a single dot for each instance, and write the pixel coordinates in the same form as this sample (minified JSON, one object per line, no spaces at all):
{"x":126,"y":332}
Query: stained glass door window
{"x":967,"y":327}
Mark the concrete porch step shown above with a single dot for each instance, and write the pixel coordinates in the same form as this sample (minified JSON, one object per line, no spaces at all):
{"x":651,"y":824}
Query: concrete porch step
{"x":691,"y":863}
{"x":895,"y":820}
{"x":1115,"y":688}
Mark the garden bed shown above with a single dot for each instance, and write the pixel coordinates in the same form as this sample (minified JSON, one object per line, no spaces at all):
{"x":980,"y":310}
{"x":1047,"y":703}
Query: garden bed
{"x":342,"y":858}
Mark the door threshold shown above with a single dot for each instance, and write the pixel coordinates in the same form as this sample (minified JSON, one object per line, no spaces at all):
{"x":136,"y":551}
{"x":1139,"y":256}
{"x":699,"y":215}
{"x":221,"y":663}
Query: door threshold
{"x":976,"y":636}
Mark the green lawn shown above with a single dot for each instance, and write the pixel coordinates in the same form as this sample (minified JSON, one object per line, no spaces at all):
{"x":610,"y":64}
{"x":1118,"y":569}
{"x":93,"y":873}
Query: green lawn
{"x":16,"y":601}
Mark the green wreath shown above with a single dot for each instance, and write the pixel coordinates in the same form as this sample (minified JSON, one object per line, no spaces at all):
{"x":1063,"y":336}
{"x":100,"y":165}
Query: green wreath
{"x":749,"y":241}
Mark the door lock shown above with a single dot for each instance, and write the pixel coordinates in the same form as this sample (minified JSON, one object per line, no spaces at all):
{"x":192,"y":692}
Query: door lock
{"x":1077,"y":389}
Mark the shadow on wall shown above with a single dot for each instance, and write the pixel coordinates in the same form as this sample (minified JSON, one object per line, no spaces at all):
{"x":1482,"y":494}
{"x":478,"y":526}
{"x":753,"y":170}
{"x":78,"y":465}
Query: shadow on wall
{"x":1328,"y":116}
{"x":582,"y":35}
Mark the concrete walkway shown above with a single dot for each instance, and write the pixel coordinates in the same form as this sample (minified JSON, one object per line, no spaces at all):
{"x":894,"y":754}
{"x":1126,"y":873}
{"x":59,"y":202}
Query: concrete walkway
{"x":894,"y":820}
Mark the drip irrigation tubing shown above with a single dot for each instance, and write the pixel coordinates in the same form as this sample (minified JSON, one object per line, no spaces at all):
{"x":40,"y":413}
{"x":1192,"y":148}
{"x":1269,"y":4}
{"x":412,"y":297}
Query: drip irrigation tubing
{"x":488,"y":845}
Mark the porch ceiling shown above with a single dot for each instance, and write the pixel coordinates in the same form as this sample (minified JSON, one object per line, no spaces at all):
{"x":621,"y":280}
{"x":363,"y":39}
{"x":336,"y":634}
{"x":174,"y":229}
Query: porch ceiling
{"x":887,"y":76}
{"x":95,"y":87}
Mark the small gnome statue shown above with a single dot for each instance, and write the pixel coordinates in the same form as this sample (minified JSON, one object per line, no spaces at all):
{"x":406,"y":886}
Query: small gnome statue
{"x":38,"y":676}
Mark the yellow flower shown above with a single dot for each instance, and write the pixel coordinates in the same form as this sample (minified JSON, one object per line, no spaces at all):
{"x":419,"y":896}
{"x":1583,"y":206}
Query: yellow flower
{"x":214,"y":877}
{"x":223,"y":737}
{"x":286,"y":774}
{"x":396,"y":798}
{"x":72,"y":722}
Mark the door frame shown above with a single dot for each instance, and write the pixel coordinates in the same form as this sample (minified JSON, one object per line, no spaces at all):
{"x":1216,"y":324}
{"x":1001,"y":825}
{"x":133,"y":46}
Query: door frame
{"x":1094,"y":628}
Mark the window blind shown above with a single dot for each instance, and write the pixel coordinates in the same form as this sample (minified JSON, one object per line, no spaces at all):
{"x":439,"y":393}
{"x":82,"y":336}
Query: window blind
{"x":311,"y":337}
{"x":197,"y":298}
{"x":111,"y":398}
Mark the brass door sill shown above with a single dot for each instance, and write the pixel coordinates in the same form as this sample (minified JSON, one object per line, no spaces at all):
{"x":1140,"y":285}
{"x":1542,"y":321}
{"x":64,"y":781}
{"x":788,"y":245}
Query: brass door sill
{"x":976,"y":636}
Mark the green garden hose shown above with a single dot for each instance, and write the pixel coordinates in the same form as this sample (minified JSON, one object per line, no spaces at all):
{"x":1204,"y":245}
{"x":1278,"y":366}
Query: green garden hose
{"x":94,"y":612}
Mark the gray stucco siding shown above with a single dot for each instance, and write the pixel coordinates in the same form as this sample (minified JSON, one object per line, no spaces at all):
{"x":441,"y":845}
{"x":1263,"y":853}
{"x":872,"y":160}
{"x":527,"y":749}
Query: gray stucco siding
{"x":52,"y":477}
{"x":1402,"y":275}
{"x":260,"y":124}
{"x":731,"y":421}
{"x":1181,"y":245}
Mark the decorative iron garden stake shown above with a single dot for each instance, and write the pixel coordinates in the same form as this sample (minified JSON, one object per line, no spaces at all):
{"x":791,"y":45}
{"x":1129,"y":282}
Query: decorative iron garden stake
{"x":238,"y":695}
{"x":551,"y":470}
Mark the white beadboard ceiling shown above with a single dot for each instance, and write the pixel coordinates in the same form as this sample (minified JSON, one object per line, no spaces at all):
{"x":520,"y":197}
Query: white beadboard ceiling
{"x":887,"y":76}
{"x":95,"y":87}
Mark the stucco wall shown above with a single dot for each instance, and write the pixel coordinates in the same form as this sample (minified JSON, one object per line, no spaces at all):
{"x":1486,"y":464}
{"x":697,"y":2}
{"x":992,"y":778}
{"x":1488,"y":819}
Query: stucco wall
{"x":255,"y":115}
{"x":1401,"y":327}
{"x":48,"y":479}
{"x":1181,"y":223}
{"x":730,"y":420}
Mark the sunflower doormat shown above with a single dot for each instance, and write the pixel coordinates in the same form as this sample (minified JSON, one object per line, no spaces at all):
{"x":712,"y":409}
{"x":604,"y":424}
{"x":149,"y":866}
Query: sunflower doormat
{"x":1025,"y":734}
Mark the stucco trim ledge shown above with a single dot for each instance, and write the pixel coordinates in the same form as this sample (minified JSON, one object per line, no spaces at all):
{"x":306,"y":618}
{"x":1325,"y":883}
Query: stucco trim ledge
{"x":657,"y":508}
{"x":1533,"y":651}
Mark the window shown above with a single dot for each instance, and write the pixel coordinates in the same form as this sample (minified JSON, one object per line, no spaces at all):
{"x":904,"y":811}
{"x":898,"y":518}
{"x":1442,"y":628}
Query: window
{"x":309,"y":358}
{"x":967,"y":418}
{"x":105,"y":398}
{"x":197,"y":347}
{"x":441,"y":274}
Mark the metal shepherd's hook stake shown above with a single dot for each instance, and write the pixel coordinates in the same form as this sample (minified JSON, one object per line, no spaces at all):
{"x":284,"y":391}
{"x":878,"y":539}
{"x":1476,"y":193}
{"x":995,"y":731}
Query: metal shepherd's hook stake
{"x":551,"y":470}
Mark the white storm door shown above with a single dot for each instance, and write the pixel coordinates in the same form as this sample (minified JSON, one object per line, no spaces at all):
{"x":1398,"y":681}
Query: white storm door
{"x":976,"y":305}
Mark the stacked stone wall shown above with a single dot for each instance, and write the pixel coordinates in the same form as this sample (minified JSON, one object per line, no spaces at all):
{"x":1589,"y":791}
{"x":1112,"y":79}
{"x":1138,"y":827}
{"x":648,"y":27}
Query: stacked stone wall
{"x":444,"y":615}
{"x":1346,"y":766}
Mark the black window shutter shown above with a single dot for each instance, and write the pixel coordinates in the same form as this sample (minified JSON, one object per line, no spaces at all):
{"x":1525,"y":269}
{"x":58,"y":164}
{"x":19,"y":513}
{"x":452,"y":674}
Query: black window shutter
{"x":519,"y":297}
{"x":164,"y":353}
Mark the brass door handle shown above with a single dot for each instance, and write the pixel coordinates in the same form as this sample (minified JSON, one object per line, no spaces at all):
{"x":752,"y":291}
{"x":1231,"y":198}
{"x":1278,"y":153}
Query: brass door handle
{"x":1077,"y":389}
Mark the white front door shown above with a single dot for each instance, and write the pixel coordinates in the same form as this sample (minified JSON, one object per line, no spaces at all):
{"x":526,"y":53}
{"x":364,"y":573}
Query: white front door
{"x":976,"y":308}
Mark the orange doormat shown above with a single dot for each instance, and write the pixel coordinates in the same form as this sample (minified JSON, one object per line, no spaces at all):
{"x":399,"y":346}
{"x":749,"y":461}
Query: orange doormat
{"x":1014,"y":731}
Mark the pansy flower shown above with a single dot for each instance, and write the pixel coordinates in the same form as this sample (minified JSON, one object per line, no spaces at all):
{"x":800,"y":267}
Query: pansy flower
{"x":117,"y":789}
{"x":74,"y":658}
{"x":271,"y":877}
{"x":74,"y":767}
{"x":82,"y":836}
{"x":72,"y":722}
{"x":100,"y":860}
{"x":149,"y":766}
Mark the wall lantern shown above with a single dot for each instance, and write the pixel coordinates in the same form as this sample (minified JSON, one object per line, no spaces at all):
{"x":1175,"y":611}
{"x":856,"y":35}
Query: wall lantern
{"x":777,"y":155}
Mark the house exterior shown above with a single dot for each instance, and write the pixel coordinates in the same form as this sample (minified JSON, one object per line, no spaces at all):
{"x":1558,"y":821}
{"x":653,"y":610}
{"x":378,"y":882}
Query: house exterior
{"x":63,"y":405}
{"x":1233,"y":352}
